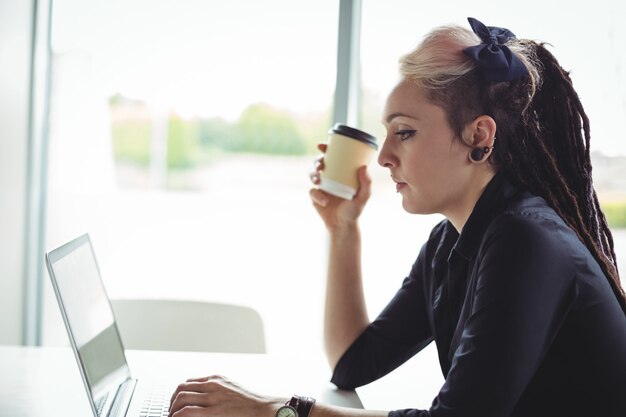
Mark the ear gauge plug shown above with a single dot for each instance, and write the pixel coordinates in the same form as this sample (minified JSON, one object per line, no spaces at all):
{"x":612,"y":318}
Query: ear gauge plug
{"x":477,"y":154}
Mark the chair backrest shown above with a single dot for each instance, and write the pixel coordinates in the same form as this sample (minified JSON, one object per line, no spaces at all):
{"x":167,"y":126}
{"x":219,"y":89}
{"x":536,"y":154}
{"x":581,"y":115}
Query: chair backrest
{"x":188,"y":326}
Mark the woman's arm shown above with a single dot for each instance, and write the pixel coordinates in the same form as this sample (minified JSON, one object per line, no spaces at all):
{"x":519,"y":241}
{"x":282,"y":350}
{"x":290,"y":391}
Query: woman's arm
{"x":324,"y":410}
{"x":218,"y":396}
{"x":345,"y":314}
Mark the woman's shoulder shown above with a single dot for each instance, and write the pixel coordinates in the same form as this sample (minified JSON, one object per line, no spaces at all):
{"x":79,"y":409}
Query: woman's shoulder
{"x":527,"y":202}
{"x":529,"y":220}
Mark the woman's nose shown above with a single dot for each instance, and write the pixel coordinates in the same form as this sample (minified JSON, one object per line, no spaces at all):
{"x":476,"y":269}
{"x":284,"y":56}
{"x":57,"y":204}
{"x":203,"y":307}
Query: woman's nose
{"x":385,"y":156}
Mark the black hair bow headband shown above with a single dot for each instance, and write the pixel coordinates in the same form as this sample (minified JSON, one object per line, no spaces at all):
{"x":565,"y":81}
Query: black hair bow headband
{"x":496,"y":60}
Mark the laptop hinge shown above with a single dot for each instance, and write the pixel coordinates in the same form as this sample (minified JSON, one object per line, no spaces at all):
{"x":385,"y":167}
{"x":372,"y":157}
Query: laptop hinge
{"x":122,"y":399}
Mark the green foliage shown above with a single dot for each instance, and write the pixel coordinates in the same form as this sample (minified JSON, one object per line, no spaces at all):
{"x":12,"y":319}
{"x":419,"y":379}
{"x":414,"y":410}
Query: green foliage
{"x":615,"y":212}
{"x":131,"y":141}
{"x":216,"y":133}
{"x":190,"y":142}
{"x":182,"y":143}
{"x":262,"y":129}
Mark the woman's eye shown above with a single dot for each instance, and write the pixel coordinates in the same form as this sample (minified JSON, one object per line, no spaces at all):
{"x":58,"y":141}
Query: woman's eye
{"x":405,"y":134}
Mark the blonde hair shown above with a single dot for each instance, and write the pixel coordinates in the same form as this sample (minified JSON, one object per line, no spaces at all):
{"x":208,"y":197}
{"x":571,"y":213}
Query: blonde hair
{"x":439,"y":59}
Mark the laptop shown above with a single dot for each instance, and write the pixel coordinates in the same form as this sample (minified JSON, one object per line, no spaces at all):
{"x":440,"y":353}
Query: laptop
{"x":95,"y":338}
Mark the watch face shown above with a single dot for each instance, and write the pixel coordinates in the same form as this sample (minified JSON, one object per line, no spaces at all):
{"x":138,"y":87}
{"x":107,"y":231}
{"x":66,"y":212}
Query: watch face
{"x":286,"y":411}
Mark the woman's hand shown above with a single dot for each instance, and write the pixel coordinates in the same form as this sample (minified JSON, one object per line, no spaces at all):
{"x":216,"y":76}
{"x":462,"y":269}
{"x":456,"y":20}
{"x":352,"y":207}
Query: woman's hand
{"x":335,"y":211}
{"x":218,"y":396}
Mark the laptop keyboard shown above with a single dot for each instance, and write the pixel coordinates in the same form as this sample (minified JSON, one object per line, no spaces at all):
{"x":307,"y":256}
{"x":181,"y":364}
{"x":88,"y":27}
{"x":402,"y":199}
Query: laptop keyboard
{"x":156,"y":403}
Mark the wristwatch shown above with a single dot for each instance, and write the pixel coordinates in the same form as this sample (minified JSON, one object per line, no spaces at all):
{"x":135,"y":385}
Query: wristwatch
{"x":296,"y":407}
{"x":286,"y":411}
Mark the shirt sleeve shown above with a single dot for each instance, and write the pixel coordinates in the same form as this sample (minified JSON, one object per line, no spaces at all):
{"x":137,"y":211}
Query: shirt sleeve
{"x":399,"y":332}
{"x":522,"y":291}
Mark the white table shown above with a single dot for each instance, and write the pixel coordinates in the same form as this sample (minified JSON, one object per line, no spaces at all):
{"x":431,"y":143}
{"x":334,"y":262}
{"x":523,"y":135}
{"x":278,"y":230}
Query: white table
{"x":45,"y":381}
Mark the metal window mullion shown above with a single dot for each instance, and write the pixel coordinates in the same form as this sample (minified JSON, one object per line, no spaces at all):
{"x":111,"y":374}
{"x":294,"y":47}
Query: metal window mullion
{"x":39,"y":100}
{"x":347,"y":87}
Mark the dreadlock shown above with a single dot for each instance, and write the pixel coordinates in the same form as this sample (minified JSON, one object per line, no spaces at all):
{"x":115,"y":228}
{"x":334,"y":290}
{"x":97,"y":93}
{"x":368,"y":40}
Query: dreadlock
{"x":547,"y":151}
{"x":543,"y":139}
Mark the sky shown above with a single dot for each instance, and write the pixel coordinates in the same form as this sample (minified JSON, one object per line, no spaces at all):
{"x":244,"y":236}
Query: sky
{"x":214,"y":58}
{"x":206,"y":57}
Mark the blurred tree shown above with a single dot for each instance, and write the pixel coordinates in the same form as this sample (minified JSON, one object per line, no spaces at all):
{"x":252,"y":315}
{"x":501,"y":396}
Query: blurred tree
{"x":131,"y":130}
{"x":131,"y":141}
{"x":264,"y":129}
{"x":615,"y":212}
{"x":182,"y":142}
{"x":261,"y":128}
{"x":216,"y":133}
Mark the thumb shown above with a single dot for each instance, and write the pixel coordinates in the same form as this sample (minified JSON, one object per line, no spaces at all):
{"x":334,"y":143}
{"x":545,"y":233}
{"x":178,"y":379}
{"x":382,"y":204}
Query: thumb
{"x":365,"y":185}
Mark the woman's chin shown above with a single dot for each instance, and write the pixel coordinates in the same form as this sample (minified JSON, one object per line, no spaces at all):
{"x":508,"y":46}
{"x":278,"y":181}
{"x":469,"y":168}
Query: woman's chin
{"x":413,"y":207}
{"x":410,"y":206}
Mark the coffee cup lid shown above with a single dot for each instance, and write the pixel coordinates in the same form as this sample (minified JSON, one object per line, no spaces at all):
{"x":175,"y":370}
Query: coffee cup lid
{"x":355,"y":134}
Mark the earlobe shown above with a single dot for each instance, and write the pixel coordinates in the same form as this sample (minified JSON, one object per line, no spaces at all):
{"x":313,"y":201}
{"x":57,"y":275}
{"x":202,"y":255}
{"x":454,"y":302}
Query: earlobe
{"x":477,"y":154}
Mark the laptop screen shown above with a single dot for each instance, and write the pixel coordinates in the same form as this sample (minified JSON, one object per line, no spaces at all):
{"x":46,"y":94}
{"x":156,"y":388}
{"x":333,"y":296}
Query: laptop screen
{"x":87,"y":314}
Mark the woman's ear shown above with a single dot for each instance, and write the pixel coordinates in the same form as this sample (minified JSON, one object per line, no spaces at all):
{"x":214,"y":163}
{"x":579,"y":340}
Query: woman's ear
{"x":480,"y":133}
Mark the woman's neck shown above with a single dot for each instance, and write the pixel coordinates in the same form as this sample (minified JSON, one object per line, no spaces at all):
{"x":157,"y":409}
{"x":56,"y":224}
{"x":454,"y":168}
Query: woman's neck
{"x":462,"y":209}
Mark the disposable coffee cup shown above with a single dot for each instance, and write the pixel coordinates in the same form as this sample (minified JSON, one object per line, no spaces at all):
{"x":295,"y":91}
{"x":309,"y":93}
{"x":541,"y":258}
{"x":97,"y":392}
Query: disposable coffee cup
{"x":348,"y":149}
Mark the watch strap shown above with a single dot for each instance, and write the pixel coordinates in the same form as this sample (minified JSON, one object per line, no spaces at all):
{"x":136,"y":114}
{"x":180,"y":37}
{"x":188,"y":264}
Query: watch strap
{"x":303,"y":405}
{"x":307,"y":406}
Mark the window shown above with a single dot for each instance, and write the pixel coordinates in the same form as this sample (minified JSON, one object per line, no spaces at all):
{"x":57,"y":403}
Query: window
{"x":181,"y":135}
{"x":181,"y":138}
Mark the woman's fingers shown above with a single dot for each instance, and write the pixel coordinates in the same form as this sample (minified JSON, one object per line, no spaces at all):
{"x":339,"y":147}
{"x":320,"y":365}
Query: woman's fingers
{"x":319,"y":197}
{"x":209,"y":378}
{"x":316,"y":168}
{"x":325,"y":202}
{"x":202,"y":379}
{"x":318,"y":165}
{"x":188,"y":398}
{"x":199,"y":385}
{"x":191,"y":411}
{"x":218,"y":396}
{"x":198,"y":392}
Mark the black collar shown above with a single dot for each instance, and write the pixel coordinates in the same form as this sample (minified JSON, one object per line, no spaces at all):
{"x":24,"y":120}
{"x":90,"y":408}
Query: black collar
{"x":492,"y":202}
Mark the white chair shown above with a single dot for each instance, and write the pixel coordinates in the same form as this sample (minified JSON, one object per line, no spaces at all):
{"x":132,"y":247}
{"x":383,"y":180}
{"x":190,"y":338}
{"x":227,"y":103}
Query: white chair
{"x":188,"y":326}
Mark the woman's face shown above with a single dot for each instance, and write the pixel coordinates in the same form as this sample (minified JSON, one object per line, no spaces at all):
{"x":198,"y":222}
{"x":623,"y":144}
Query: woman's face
{"x":429,"y":165}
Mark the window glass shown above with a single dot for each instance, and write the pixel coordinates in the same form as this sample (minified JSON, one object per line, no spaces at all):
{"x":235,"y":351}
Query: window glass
{"x":181,"y":136}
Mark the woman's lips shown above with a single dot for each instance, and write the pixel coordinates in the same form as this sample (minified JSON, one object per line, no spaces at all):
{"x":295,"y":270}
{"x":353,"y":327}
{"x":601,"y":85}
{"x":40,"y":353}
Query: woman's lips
{"x":399,"y":184}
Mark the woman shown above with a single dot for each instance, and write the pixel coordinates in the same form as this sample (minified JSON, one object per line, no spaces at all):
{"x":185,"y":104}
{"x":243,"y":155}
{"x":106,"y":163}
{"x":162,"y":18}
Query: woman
{"x":518,"y":287}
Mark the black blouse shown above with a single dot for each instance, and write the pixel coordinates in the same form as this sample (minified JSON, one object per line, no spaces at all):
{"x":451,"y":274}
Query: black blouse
{"x":525,"y":322}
